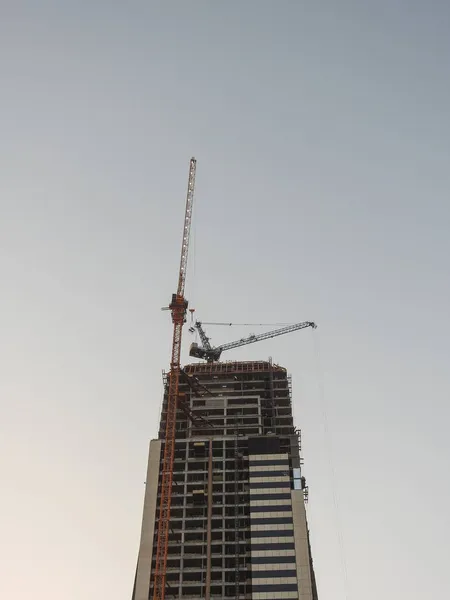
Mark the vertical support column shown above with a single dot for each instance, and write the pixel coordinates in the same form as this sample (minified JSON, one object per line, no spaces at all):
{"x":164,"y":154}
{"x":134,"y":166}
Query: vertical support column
{"x":209,"y":518}
{"x":272,"y":398}
{"x":224,"y":513}
{"x":236,"y":510}
{"x":185,"y":500}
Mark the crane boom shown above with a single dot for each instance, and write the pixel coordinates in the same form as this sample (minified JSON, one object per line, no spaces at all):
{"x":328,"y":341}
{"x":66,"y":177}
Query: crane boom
{"x":268,"y":334}
{"x":187,"y":228}
{"x":178,"y":308}
{"x":212,"y":354}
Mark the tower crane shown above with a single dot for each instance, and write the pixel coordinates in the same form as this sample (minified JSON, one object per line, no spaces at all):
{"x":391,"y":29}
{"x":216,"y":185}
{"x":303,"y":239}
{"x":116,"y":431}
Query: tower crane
{"x":178,"y":308}
{"x":207,"y":352}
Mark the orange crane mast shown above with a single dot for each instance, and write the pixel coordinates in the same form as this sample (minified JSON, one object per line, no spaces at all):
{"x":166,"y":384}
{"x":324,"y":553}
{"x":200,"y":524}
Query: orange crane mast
{"x":178,"y":308}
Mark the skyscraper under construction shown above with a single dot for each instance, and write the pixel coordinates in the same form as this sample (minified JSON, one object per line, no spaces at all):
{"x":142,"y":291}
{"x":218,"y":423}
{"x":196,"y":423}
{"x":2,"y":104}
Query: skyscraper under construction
{"x":237,"y":527}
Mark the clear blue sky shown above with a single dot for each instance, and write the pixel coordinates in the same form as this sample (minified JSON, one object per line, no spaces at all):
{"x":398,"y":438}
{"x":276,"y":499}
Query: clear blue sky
{"x":322,"y":137}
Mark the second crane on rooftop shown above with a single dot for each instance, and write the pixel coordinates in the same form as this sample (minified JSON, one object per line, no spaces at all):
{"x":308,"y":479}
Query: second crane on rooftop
{"x":211,"y":354}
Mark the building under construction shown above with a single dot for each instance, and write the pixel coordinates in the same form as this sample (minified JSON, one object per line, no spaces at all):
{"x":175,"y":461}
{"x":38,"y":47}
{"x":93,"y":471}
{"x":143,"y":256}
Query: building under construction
{"x":224,"y":510}
{"x":238,"y":527}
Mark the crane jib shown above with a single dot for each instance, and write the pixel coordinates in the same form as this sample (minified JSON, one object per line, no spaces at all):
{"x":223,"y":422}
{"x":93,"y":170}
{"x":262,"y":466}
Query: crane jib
{"x":213,"y":354}
{"x":187,"y":228}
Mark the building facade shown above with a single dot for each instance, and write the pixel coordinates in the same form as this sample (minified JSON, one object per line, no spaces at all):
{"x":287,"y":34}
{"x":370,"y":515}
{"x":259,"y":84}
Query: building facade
{"x":238,"y":528}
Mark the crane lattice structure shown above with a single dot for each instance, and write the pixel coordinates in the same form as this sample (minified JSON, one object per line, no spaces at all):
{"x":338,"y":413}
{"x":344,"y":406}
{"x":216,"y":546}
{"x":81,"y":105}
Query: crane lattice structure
{"x":211,"y":354}
{"x":178,"y":308}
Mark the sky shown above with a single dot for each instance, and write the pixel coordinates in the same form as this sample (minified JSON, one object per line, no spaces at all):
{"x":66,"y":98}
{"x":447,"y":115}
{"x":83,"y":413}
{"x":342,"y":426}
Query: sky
{"x":321,"y":131}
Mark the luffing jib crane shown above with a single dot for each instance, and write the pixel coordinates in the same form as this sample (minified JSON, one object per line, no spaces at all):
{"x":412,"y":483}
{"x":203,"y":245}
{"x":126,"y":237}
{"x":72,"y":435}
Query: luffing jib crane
{"x":178,"y":308}
{"x":211,"y":354}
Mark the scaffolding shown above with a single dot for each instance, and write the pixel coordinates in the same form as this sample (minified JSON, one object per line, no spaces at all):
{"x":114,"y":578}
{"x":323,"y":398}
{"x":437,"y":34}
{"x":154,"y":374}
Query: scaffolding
{"x":232,"y":367}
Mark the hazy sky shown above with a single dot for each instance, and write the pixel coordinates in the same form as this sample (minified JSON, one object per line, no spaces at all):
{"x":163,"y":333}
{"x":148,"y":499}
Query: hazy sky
{"x":321,"y":131}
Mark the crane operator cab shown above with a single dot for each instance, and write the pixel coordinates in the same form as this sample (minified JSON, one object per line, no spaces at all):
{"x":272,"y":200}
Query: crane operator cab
{"x":196,"y":351}
{"x":209,"y":354}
